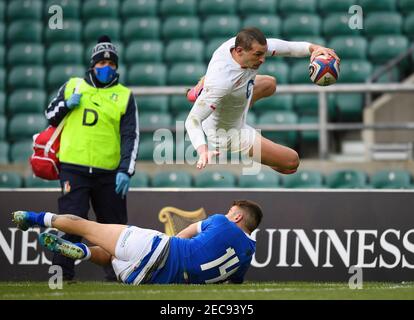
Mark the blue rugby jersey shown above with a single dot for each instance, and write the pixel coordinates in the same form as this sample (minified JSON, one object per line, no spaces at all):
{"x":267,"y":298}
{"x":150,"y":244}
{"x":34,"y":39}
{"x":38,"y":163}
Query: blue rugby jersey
{"x":220,"y":252}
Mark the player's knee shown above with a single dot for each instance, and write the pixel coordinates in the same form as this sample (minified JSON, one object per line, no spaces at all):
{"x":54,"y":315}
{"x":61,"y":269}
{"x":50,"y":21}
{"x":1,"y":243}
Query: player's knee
{"x":270,"y":85}
{"x":293,"y":162}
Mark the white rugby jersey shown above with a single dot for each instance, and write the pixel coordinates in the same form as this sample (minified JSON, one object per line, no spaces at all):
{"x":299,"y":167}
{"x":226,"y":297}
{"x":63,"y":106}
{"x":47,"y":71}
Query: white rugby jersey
{"x":228,"y":89}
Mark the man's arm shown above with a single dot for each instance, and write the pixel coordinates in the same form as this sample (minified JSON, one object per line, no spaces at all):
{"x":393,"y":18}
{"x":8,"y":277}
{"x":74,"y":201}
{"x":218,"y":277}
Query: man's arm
{"x":278,"y":47}
{"x":189,"y":232}
{"x":129,"y":138}
{"x":205,"y":104}
{"x":57,"y":108}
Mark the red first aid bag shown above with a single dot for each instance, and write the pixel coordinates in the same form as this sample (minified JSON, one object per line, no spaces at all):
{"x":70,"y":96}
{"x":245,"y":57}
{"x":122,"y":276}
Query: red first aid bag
{"x":44,"y":160}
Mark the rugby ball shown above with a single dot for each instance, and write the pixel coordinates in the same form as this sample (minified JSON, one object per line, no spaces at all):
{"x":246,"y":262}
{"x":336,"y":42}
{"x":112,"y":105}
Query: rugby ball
{"x":324,"y":70}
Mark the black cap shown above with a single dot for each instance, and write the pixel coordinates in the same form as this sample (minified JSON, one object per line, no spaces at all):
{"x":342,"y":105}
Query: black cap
{"x":104,"y":50}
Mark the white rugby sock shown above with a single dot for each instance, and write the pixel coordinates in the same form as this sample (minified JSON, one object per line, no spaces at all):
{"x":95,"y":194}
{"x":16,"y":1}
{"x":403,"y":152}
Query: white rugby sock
{"x":47,"y":219}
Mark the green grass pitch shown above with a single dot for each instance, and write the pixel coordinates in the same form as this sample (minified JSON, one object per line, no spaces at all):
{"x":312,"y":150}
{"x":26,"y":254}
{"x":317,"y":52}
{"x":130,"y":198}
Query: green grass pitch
{"x":246,"y":291}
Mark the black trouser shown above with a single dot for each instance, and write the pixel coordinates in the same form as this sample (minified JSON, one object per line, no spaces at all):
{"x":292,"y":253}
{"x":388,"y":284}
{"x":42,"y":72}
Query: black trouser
{"x":79,"y":186}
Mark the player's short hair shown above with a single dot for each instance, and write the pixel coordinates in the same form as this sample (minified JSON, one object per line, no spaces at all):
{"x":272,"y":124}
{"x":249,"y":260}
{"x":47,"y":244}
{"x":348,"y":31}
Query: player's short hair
{"x":247,"y":36}
{"x":253,"y":213}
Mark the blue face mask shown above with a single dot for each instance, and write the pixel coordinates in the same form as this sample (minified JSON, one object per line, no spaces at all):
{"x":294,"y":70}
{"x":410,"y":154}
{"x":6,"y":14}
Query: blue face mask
{"x":105,"y":74}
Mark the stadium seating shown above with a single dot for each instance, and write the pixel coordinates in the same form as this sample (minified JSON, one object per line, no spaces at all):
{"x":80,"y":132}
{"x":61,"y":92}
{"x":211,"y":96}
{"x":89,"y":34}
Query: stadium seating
{"x":135,"y":8}
{"x":71,"y":8}
{"x":248,"y":7}
{"x":141,"y":28}
{"x":21,"y":151}
{"x":395,"y":179}
{"x":71,"y":32}
{"x":26,"y":77}
{"x":139,"y":180}
{"x":154,"y":120}
{"x":144,"y":51}
{"x":3,"y":126}
{"x":336,"y":24}
{"x":172,"y":179}
{"x":2,"y":54}
{"x":185,"y":73}
{"x":4,"y":150}
{"x":349,"y":106}
{"x":100,"y":9}
{"x":181,"y":28}
{"x":2,"y":79}
{"x":20,"y":10}
{"x":302,"y":25}
{"x":351,"y":179}
{"x":215,"y":179}
{"x":147,"y":74}
{"x":2,"y":102}
{"x":146,"y":148}
{"x":179,"y":104}
{"x":23,"y":126}
{"x":212,"y":46}
{"x":2,"y":10}
{"x":270,"y":25}
{"x":383,"y":23}
{"x":10,"y":180}
{"x":277,"y":68}
{"x":217,"y":7}
{"x":31,"y":181}
{"x":17,"y":32}
{"x":406,"y":5}
{"x":355,"y":71}
{"x":305,"y":6}
{"x":58,"y":75}
{"x":184,"y":51}
{"x":378,"y":5}
{"x":65,"y":53}
{"x":303,"y":179}
{"x":178,"y":7}
{"x":266,"y":179}
{"x":169,"y":42}
{"x":350,"y":47}
{"x":25,"y":54}
{"x":94,"y":28}
{"x":278,"y":102}
{"x":408,"y":26}
{"x":288,"y":138}
{"x":328,"y":6}
{"x":384,"y":48}
{"x":152,"y":103}
{"x":27,"y":101}
{"x":309,"y":135}
{"x":220,"y":26}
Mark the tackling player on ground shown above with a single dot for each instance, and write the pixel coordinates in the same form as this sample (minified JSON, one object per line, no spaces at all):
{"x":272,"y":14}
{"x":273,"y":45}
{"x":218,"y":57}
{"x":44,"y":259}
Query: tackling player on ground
{"x":214,"y":250}
{"x":231,"y":85}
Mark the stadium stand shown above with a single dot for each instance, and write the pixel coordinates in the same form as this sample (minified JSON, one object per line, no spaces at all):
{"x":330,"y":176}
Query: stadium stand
{"x":215,"y":179}
{"x":174,"y":179}
{"x":10,"y":180}
{"x":169,"y":42}
{"x":351,"y":179}
{"x":139,"y":180}
{"x":304,"y":179}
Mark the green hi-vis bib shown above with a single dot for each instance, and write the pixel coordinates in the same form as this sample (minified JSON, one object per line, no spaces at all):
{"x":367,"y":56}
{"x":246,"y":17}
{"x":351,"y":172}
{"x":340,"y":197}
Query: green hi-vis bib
{"x":91,"y":135}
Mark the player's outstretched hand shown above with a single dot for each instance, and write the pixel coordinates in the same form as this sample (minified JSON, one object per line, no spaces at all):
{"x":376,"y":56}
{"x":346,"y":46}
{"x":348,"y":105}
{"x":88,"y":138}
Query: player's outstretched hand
{"x":319,"y":50}
{"x":205,"y":156}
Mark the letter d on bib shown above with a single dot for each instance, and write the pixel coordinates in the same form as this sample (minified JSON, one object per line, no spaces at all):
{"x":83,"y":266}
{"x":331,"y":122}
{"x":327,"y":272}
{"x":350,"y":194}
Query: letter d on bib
{"x":91,"y":119}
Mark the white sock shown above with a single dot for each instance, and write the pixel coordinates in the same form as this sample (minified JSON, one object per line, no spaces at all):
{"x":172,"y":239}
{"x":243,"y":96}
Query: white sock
{"x":47,"y":219}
